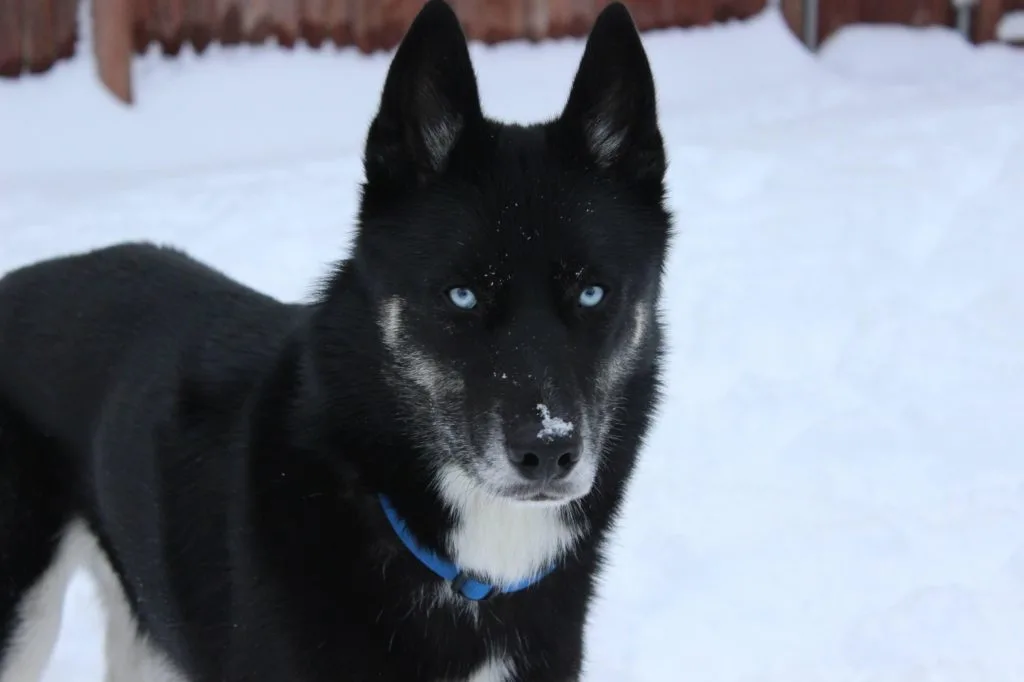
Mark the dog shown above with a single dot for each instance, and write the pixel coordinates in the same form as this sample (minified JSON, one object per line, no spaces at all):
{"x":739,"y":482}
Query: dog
{"x":411,"y":477}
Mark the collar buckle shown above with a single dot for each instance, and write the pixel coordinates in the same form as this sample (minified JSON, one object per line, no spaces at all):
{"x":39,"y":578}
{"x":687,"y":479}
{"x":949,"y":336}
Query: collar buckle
{"x":462,"y":584}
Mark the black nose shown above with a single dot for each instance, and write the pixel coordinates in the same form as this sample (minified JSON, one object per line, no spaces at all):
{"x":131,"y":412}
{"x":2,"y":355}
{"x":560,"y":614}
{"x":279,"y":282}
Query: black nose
{"x":539,"y":455}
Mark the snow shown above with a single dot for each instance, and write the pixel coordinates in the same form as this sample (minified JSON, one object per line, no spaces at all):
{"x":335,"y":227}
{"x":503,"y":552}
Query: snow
{"x":932,"y":57}
{"x":552,"y":427}
{"x":834,"y":490}
{"x":1011,"y":26}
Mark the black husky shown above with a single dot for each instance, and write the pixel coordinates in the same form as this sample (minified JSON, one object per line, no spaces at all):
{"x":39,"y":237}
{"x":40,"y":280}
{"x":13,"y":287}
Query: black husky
{"x":412,"y":477}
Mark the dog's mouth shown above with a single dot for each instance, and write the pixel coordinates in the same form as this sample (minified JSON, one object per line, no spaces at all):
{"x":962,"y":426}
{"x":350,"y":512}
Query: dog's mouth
{"x":553,"y":493}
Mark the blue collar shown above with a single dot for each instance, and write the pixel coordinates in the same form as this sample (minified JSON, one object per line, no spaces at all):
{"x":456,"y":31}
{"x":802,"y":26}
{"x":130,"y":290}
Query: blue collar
{"x":468,"y":587}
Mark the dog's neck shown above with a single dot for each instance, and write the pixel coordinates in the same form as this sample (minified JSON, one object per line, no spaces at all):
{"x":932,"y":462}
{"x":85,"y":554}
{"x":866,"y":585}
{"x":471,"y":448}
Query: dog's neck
{"x":497,"y":541}
{"x":458,"y":580}
{"x":502,"y":541}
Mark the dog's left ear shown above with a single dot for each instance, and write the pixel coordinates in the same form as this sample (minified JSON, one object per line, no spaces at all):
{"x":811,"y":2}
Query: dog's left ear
{"x":612,"y":107}
{"x":430,"y":97}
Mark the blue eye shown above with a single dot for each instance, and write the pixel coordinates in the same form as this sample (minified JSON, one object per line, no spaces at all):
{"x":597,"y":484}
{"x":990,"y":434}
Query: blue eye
{"x":462,"y":297}
{"x":591,"y":296}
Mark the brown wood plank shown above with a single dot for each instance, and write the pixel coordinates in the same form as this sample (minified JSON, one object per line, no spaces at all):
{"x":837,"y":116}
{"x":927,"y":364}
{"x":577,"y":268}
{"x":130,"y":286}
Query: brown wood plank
{"x":727,"y":10}
{"x":570,"y":17}
{"x":365,"y":18}
{"x":253,"y":21}
{"x":986,"y":19}
{"x":169,"y":19}
{"x":143,"y":18}
{"x":834,"y":14}
{"x":535,"y":19}
{"x":793,"y":10}
{"x":339,"y":21}
{"x":685,"y":13}
{"x":112,"y":43}
{"x":313,"y":20}
{"x":201,"y":23}
{"x":39,"y":50}
{"x":907,"y":12}
{"x":284,"y":18}
{"x":229,"y":30}
{"x":65,"y":27}
{"x":494,"y":21}
{"x":10,"y":38}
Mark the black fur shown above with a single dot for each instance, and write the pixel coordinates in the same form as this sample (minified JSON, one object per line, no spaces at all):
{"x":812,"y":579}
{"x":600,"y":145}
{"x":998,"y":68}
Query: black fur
{"x":227,"y":449}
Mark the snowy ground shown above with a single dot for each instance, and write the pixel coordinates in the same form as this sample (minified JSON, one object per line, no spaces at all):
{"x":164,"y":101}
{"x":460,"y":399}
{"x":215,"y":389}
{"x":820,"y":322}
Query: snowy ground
{"x":835,"y":491}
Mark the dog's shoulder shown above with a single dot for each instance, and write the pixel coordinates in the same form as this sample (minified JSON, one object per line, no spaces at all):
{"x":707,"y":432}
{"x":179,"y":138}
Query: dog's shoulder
{"x":129,"y":315}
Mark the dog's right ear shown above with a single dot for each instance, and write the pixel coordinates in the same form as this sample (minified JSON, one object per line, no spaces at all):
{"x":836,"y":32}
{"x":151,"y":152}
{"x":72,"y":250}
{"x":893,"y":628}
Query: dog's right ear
{"x":430,"y":97}
{"x":612,"y":110}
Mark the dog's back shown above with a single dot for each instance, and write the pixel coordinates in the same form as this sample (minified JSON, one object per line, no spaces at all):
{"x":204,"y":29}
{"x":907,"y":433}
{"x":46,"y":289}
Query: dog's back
{"x":100,"y":352}
{"x":72,"y":327}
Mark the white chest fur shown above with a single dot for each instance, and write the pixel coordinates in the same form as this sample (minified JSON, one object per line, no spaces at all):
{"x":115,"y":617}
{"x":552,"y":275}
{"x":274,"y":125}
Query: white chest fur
{"x":502,"y":540}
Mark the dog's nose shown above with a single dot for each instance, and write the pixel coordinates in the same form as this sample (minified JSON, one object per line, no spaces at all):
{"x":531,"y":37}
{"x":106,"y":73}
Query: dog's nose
{"x":541,"y":456}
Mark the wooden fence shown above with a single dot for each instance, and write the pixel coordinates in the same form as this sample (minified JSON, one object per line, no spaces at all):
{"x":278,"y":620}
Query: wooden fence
{"x":34,"y":34}
{"x":982,"y":18}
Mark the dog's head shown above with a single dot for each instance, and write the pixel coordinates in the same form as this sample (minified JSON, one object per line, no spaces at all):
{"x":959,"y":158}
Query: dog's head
{"x":515,"y":270}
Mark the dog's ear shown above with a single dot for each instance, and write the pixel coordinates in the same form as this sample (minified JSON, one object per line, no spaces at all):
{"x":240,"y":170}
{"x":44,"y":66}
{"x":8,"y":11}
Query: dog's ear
{"x":612,"y":107}
{"x":430,"y":97}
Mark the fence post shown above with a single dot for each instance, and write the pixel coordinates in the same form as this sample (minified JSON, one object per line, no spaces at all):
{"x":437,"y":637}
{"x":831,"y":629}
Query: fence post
{"x":986,"y":20}
{"x":811,"y":23}
{"x":12,"y":55}
{"x":964,"y":11}
{"x":112,"y":44}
